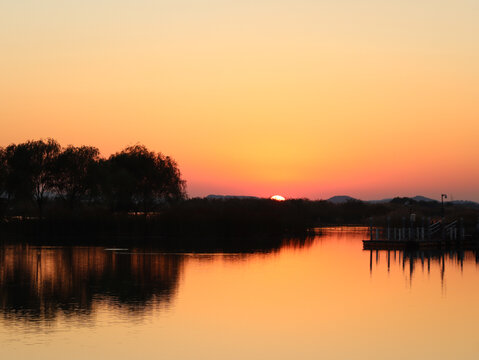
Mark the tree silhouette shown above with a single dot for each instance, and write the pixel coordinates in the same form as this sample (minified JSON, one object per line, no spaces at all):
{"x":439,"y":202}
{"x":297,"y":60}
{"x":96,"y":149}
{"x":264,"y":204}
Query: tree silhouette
{"x":30,"y":170}
{"x":134,"y":179}
{"x":141,"y":179}
{"x":3,"y":182}
{"x":113,"y":186}
{"x":73,"y":172}
{"x":3,"y":172}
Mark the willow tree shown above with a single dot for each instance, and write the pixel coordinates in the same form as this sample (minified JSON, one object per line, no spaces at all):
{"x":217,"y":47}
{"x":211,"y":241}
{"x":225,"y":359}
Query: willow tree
{"x":142,"y":179}
{"x":3,"y":182}
{"x":73,"y":173}
{"x":30,"y":170}
{"x":3,"y":173}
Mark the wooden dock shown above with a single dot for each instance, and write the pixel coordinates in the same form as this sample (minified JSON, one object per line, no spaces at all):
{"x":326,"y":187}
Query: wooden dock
{"x":427,"y":235}
{"x":384,"y":244}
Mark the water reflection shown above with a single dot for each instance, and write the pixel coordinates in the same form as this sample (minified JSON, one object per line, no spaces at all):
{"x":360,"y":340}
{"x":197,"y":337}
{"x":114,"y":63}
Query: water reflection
{"x":410,"y":260}
{"x":330,"y":300}
{"x":37,"y":283}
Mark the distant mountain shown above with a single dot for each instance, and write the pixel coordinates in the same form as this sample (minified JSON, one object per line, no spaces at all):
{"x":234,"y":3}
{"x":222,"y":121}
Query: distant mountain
{"x":382,"y":201}
{"x":340,"y":199}
{"x":222,"y":197}
{"x":466,"y":203}
{"x":422,"y":198}
{"x":415,"y":198}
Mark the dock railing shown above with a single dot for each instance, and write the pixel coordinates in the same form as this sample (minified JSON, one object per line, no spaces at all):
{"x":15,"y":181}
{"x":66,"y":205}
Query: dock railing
{"x":436,"y":230}
{"x":433,"y":229}
{"x":450,"y":230}
{"x":423,"y":234}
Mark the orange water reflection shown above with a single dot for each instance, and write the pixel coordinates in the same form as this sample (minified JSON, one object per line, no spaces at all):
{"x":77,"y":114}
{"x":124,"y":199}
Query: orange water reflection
{"x":329,"y":300}
{"x":38,"y":282}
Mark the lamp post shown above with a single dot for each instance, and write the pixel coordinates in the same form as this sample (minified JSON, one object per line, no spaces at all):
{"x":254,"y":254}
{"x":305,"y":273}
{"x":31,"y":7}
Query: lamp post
{"x":443,"y":196}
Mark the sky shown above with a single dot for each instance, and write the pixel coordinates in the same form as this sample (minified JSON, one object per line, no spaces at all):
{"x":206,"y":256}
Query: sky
{"x":303,"y":98}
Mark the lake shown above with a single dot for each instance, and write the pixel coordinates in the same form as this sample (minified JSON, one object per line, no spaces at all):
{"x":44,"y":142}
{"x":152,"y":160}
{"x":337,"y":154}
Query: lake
{"x":325,"y":298}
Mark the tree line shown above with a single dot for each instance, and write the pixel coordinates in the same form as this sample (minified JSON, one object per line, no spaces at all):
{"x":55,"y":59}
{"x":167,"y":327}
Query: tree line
{"x":36,"y":173}
{"x":48,"y":189}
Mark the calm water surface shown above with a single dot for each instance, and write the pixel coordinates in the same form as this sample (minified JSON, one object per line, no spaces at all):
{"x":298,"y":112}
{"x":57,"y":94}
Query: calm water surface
{"x":323,"y":299}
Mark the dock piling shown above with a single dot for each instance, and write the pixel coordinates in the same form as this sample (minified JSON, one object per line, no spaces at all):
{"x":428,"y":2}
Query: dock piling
{"x":429,"y":228}
{"x":389,"y":220}
{"x":371,"y":228}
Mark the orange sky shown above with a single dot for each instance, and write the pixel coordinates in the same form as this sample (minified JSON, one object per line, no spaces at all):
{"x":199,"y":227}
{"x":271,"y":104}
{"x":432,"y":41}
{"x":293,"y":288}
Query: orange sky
{"x":301,"y":98}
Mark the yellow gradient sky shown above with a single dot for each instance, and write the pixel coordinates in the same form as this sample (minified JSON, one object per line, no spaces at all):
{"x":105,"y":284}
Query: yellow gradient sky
{"x":302,"y":98}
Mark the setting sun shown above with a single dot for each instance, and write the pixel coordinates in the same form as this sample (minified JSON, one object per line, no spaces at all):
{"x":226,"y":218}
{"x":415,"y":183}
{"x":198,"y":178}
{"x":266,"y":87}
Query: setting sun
{"x":277,"y":198}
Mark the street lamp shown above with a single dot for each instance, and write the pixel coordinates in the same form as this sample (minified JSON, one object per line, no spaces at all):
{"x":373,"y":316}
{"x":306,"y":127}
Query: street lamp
{"x":443,"y":196}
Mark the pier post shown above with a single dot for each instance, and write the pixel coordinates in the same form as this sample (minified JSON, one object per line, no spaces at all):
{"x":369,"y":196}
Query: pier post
{"x":462,"y":233}
{"x":429,"y":228}
{"x":377,"y":234}
{"x":422,"y":229}
{"x":443,"y":231}
{"x":403,"y":230}
{"x":412,"y":226}
{"x":389,"y":230}
{"x":371,"y":228}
